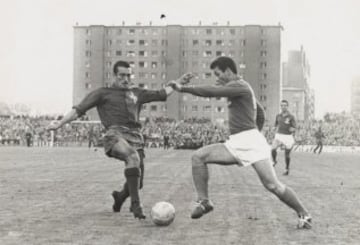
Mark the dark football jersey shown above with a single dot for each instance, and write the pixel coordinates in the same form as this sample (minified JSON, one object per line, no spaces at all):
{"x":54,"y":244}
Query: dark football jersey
{"x":241,"y":102}
{"x":284,"y":122}
{"x":119,"y":106}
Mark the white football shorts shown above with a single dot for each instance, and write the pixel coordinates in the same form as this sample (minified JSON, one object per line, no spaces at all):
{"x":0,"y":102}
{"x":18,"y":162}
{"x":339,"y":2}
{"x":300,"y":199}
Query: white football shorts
{"x":286,"y":140}
{"x":248,"y":147}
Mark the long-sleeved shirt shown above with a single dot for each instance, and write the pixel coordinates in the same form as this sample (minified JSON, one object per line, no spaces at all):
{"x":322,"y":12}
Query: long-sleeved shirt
{"x":241,"y":102}
{"x":119,"y":106}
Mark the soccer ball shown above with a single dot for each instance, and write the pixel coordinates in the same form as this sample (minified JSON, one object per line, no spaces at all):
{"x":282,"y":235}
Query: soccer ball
{"x":162,"y":213}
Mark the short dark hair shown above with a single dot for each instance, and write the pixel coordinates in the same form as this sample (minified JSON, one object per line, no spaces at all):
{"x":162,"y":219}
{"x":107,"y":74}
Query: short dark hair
{"x":285,"y":101}
{"x":223,"y":63}
{"x":120,"y":63}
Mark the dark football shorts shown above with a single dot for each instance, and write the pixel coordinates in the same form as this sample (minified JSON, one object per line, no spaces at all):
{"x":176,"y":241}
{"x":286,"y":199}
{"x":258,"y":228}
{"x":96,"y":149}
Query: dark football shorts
{"x":133,"y":137}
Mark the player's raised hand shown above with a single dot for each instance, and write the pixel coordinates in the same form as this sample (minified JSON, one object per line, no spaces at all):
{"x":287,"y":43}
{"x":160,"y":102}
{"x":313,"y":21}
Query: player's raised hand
{"x":185,"y":79}
{"x":54,"y":125}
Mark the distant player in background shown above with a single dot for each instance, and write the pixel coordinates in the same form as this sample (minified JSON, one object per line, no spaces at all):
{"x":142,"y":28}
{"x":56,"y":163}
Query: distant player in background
{"x":119,"y":107}
{"x":319,"y":136}
{"x":284,"y":137}
{"x":246,"y":145}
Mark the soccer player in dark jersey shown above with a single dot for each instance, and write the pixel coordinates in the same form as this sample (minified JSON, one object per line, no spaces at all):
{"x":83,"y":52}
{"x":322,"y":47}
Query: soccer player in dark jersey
{"x":284,"y":137}
{"x":319,"y":136}
{"x":246,"y":145}
{"x":119,"y":107}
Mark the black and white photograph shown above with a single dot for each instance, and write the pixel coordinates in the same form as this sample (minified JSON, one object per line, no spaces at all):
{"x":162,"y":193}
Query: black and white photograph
{"x":179,"y":122}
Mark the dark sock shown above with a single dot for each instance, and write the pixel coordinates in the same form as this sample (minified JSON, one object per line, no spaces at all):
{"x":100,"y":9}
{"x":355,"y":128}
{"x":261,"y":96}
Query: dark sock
{"x":273,"y":154}
{"x":287,"y":159}
{"x":132,"y":181}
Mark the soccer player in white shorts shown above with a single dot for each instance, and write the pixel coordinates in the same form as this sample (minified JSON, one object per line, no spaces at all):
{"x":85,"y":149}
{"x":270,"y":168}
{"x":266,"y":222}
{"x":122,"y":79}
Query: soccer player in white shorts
{"x":246,"y":146}
{"x":284,"y":137}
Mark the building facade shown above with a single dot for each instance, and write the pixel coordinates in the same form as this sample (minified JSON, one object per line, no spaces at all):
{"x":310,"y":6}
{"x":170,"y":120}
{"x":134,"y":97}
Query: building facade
{"x":158,"y":54}
{"x":296,"y":85}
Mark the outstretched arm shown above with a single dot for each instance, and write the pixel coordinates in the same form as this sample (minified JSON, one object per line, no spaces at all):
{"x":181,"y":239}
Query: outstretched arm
{"x":69,"y":117}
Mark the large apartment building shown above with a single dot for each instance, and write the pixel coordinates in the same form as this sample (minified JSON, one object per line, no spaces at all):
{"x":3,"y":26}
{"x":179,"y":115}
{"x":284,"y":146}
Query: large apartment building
{"x":158,"y":54}
{"x":296,"y":85}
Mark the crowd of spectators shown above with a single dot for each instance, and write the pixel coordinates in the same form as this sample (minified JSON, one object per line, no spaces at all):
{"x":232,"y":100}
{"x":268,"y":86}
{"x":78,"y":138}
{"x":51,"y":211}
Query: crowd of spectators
{"x":339,"y":129}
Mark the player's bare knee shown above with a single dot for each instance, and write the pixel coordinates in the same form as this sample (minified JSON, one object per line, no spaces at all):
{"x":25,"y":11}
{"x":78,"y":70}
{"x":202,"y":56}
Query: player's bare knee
{"x":276,"y":188}
{"x":197,"y":158}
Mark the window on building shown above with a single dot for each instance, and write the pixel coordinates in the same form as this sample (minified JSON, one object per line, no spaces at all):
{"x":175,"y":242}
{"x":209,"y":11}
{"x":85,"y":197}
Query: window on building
{"x":195,"y":42}
{"x":153,"y":107}
{"x":184,"y":98}
{"x":154,"y":64}
{"x":142,"y":64}
{"x":143,"y":107}
{"x":263,"y":53}
{"x":232,"y":53}
{"x":131,"y":42}
{"x":130,"y":53}
{"x":220,"y":32}
{"x":232,"y":31}
{"x":263,"y":64}
{"x":207,"y":108}
{"x":207,"y":75}
{"x":119,"y":32}
{"x":88,"y":32}
{"x":87,"y":74}
{"x":118,"y":42}
{"x":142,"y":75}
{"x":87,"y":53}
{"x":88,"y":42}
{"x":241,"y":53}
{"x":219,"y":109}
{"x":207,"y":42}
{"x":220,"y":53}
{"x":108,"y":53}
{"x":154,"y":42}
{"x":208,"y":31}
{"x":143,"y":43}
{"x":195,"y":64}
{"x":109,"y":43}
{"x":163,"y":107}
{"x":195,"y":53}
{"x":153,"y":75}
{"x":143,"y":53}
{"x":163,"y":53}
{"x":154,"y":53}
{"x":132,"y":64}
{"x":164,"y":42}
{"x":131,"y":31}
{"x":219,"y":42}
{"x":231,"y":42}
{"x":87,"y":64}
{"x":163,"y":76}
{"x":207,"y":53}
{"x":243,"y":42}
{"x":118,"y":52}
{"x":194,"y":108}
{"x":263,"y":42}
{"x":264,"y":76}
{"x":153,"y":85}
{"x":88,"y":85}
{"x":108,"y":64}
{"x":242,"y":65}
{"x":108,"y":32}
{"x":154,"y":31}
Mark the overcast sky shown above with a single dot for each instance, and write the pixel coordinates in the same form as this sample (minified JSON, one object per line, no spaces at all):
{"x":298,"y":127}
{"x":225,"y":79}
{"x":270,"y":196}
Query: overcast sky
{"x":36,"y":47}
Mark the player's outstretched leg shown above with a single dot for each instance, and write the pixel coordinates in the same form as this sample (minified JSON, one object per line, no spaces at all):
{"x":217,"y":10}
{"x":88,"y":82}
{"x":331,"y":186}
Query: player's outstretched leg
{"x":268,"y":178}
{"x":122,"y":151}
{"x":200,"y":173}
